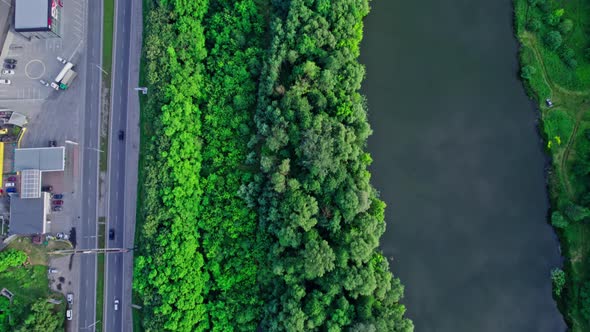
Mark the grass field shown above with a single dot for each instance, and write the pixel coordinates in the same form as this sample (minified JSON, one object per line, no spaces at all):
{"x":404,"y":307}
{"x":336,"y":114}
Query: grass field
{"x":563,"y":126}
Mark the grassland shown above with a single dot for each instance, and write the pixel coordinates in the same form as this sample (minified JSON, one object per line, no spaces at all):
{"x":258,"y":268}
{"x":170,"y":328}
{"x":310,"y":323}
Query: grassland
{"x":548,"y":75}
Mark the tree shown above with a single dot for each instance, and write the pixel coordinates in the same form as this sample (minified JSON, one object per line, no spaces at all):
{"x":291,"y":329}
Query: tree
{"x":42,"y":318}
{"x":558,"y":220}
{"x":566,"y":26}
{"x":558,"y":280}
{"x":11,"y":258}
{"x":576,"y":212}
{"x":553,"y":40}
{"x":534,"y":24}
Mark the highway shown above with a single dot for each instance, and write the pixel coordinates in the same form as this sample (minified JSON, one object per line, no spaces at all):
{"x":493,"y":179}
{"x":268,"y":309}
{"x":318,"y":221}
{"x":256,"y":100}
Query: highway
{"x":122,"y":164}
{"x":86,"y":238}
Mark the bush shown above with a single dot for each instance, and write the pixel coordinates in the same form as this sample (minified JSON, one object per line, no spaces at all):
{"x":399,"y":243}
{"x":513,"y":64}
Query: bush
{"x":558,"y":220}
{"x":566,"y":26}
{"x":534,"y":24}
{"x":527,"y":72}
{"x":553,"y":40}
{"x":558,"y":280}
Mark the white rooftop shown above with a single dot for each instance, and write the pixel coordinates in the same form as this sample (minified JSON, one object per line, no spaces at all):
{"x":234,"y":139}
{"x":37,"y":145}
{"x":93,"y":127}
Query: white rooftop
{"x":42,"y":159}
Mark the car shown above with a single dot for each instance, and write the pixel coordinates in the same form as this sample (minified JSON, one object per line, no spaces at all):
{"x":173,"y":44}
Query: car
{"x":57,"y":208}
{"x":9,"y":66}
{"x":111,"y":234}
{"x":70,"y":298}
{"x":52,"y":143}
{"x":7,"y":72}
{"x":11,"y":190}
{"x":62,"y":236}
{"x":12,"y":178}
{"x":62,"y":60}
{"x":116,"y":304}
{"x":47,"y":188}
{"x":549,"y":102}
{"x":43,"y":82}
{"x":9,"y":184}
{"x":53,"y":270}
{"x":11,"y":61}
{"x":57,"y":196}
{"x":58,"y":202}
{"x":121,"y":135}
{"x":69,"y":314}
{"x":5,"y":81}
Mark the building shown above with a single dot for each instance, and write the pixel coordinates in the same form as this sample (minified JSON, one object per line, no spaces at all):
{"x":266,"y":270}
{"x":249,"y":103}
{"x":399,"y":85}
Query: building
{"x":29,"y":216}
{"x":29,"y":212}
{"x":38,"y":18}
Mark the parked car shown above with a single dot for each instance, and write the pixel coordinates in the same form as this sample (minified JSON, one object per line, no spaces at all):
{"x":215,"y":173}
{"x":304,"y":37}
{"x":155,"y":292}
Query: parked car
{"x":11,"y":61}
{"x":43,"y":82}
{"x":9,"y":66}
{"x":12,"y":178}
{"x":62,"y":236}
{"x":111,"y":234}
{"x":57,"y":208}
{"x":70,"y":298}
{"x":121,"y":134}
{"x":57,"y":196}
{"x":58,"y":202}
{"x":11,"y":190}
{"x":69,"y":314}
{"x":116,"y":304}
{"x":47,"y":188}
{"x":62,"y":60}
{"x":9,"y":184}
{"x":5,"y":81}
{"x":549,"y":102}
{"x":52,"y":143}
{"x":53,"y":270}
{"x":7,"y":72}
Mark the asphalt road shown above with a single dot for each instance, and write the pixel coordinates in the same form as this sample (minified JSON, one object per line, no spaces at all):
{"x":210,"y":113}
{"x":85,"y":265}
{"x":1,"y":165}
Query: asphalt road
{"x":122,"y":164}
{"x":86,"y":297}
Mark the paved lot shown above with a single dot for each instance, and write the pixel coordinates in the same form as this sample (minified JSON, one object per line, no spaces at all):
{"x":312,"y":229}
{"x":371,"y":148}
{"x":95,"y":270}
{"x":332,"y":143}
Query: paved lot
{"x":37,"y":59}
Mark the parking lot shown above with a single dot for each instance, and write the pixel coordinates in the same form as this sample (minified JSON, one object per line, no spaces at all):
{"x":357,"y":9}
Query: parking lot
{"x":37,"y":58}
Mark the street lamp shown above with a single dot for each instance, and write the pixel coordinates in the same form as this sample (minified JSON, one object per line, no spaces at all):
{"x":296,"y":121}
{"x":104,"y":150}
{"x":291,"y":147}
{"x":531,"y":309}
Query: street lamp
{"x":85,"y":147}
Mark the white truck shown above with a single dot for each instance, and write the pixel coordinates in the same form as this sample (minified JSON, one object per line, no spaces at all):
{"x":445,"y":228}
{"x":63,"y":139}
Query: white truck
{"x":65,"y":77}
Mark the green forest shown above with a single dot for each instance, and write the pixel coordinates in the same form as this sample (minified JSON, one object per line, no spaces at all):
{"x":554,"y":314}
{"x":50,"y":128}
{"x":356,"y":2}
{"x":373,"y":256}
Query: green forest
{"x":555,"y":68}
{"x":255,"y":205}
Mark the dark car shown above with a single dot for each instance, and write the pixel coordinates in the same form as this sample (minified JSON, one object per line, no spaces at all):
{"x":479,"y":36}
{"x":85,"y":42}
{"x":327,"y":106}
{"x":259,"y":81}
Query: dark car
{"x":11,"y":190}
{"x":57,"y":196}
{"x":52,"y":143}
{"x":121,"y":135}
{"x":57,"y":208}
{"x":47,"y":188}
{"x":9,"y":66}
{"x":58,"y":202}
{"x":11,"y":61}
{"x":111,"y":234}
{"x":12,"y":178}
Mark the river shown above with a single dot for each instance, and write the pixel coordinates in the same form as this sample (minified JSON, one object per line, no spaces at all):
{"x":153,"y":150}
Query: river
{"x":459,"y":163}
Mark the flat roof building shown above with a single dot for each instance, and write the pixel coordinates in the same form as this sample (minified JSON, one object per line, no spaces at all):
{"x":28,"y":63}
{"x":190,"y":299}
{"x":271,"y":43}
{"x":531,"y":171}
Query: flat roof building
{"x":44,"y":159}
{"x":29,"y":216}
{"x":38,"y":18}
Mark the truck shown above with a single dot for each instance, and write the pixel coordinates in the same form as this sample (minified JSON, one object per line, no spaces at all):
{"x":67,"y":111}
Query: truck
{"x":65,"y":77}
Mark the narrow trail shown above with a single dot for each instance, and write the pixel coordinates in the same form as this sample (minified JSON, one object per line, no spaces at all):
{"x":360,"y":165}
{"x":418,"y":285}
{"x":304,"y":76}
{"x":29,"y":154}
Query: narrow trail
{"x":531,"y":41}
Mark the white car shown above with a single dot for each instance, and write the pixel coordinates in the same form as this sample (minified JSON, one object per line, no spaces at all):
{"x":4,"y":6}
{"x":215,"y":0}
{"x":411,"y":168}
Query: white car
{"x":7,"y":72}
{"x":70,"y":298}
{"x":5,"y":81}
{"x":9,"y":184}
{"x":69,"y":314}
{"x":116,"y":305}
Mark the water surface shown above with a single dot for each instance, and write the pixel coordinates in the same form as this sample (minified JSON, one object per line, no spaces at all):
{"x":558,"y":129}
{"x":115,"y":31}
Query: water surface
{"x":458,"y":161}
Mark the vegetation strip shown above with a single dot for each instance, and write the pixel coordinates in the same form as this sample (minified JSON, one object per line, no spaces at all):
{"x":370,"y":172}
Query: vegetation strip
{"x":555,"y":60}
{"x":107,"y":54}
{"x":256,"y":208}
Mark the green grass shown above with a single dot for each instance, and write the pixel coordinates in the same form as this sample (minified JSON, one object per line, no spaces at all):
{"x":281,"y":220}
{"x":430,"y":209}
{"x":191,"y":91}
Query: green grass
{"x":107,"y":61}
{"x":99,"y":291}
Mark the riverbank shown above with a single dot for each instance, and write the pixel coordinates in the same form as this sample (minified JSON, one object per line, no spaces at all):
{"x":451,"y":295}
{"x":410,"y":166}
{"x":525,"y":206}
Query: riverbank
{"x":555,"y":68}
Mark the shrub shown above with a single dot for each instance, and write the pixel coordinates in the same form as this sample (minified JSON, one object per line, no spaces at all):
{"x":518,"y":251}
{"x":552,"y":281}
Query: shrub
{"x":558,"y":280}
{"x":534,"y":24}
{"x":527,"y":72}
{"x":553,"y":40}
{"x":558,"y":220}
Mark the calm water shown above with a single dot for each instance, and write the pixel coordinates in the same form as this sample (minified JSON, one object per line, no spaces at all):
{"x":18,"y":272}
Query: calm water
{"x":458,"y":161}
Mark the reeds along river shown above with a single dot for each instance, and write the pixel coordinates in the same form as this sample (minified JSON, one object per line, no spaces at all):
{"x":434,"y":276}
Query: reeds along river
{"x":458,"y":161}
